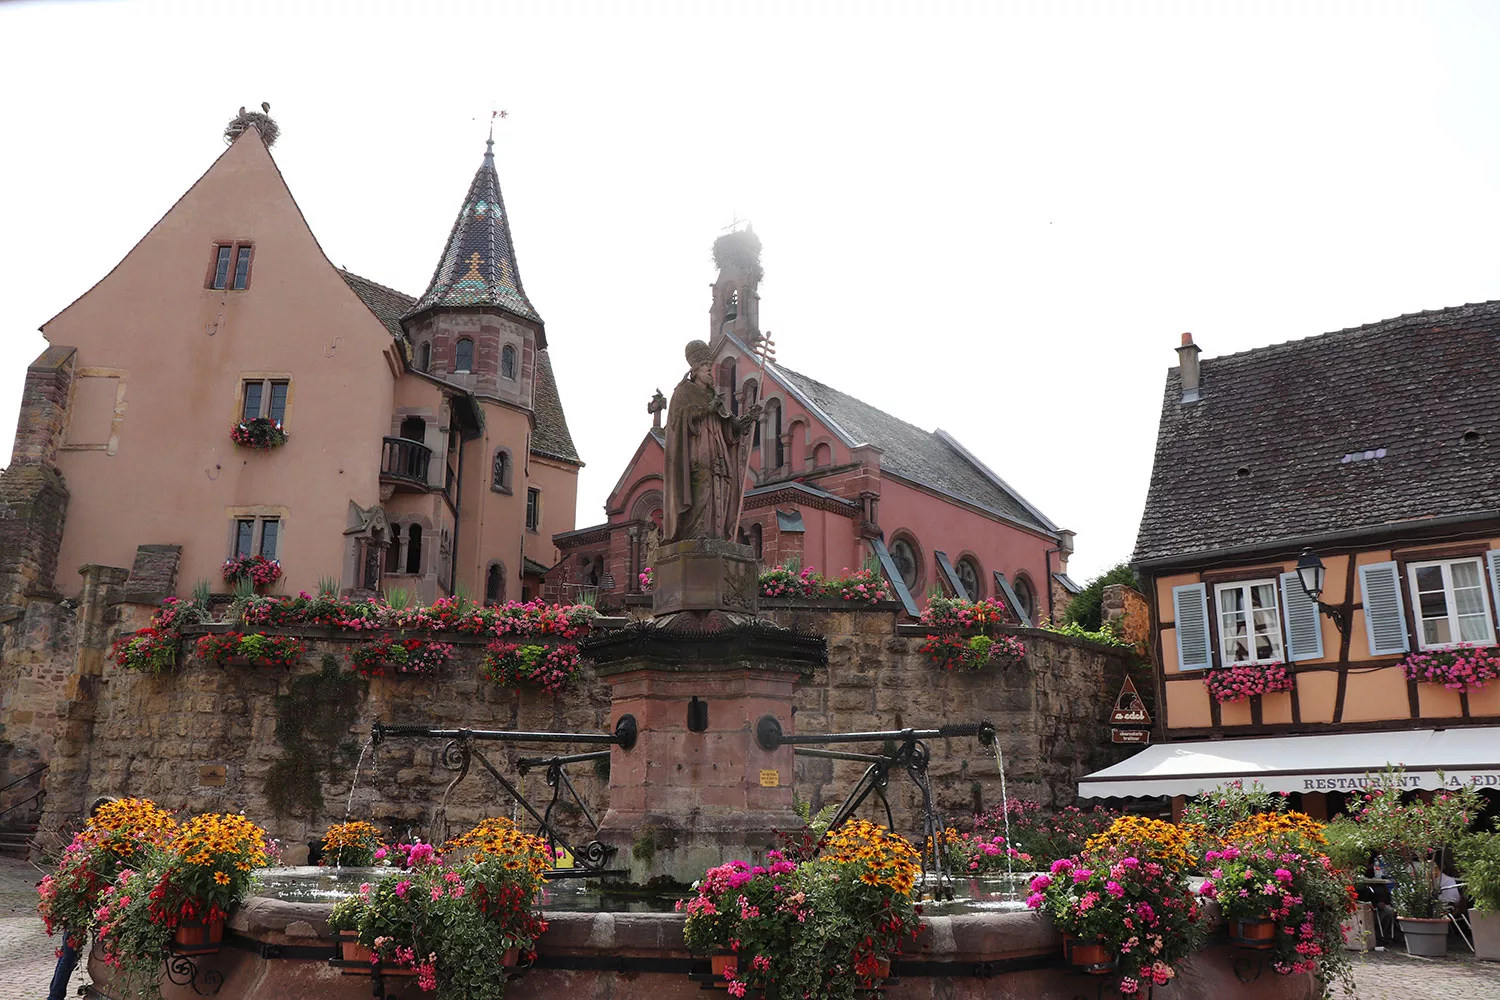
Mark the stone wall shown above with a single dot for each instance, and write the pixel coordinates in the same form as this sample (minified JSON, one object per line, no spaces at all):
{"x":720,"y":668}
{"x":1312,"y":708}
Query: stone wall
{"x":210,"y":738}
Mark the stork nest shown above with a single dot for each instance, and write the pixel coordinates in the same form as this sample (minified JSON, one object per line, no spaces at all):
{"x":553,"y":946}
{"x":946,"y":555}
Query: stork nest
{"x":739,"y":250}
{"x":264,"y":124}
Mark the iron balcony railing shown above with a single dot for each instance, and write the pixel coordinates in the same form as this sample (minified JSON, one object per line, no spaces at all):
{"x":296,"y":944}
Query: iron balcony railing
{"x":405,"y":460}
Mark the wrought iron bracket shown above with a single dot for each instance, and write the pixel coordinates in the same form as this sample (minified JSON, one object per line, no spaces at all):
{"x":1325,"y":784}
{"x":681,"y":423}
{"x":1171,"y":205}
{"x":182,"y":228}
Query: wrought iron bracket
{"x":183,"y":971}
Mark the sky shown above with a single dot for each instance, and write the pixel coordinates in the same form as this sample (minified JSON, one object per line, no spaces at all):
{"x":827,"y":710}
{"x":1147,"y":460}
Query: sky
{"x":995,"y":219}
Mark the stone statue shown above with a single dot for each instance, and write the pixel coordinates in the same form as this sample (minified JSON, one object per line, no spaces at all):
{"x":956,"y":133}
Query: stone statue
{"x":708,"y":451}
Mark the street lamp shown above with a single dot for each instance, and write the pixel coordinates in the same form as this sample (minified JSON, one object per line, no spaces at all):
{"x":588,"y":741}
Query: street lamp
{"x":1311,"y":573}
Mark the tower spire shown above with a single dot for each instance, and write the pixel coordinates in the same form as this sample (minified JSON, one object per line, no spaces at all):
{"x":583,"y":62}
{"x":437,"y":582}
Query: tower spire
{"x":478,"y":265}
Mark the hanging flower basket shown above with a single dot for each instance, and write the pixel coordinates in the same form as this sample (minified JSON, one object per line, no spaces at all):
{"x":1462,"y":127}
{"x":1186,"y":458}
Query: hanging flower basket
{"x":258,"y":569}
{"x":1226,"y":684}
{"x":261,"y":433}
{"x":1463,"y":668}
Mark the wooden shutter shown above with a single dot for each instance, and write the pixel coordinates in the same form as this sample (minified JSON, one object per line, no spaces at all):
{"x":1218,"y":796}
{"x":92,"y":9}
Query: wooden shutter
{"x":1494,"y":557}
{"x":1304,"y":626}
{"x":1190,"y":611}
{"x":1385,"y":620}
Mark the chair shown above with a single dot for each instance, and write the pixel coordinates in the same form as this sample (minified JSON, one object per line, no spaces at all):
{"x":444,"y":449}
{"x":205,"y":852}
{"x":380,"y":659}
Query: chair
{"x":1458,"y":916}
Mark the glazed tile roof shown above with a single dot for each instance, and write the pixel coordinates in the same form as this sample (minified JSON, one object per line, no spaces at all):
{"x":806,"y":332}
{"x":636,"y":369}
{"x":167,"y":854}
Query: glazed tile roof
{"x":478,"y":266}
{"x":1353,"y":430}
{"x":933,"y":459}
{"x":551,"y":437}
{"x":387,"y":304}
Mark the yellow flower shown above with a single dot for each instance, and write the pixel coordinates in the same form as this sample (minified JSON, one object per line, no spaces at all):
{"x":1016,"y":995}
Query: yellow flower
{"x":221,"y":878}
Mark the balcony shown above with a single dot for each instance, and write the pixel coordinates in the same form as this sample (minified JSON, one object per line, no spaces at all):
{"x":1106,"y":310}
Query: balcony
{"x":404,"y":463}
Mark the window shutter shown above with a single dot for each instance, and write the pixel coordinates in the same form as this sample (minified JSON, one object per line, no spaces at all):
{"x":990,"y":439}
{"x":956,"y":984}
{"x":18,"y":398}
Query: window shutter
{"x":1385,"y":620}
{"x":1190,"y":611}
{"x":1494,"y":557}
{"x":1304,"y":628}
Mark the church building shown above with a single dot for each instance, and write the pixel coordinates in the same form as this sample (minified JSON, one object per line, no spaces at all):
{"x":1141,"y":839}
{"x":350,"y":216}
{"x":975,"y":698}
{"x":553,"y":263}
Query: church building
{"x":226,"y":393}
{"x":833,"y":484}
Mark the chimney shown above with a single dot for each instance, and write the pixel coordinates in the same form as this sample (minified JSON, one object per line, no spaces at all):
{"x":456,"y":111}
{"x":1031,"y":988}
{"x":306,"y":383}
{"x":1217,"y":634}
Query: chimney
{"x":1187,"y":360}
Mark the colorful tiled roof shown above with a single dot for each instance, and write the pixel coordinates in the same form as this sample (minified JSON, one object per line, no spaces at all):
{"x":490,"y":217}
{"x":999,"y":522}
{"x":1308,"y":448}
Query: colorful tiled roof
{"x":1389,"y":424}
{"x":478,"y":266}
{"x":387,"y":304}
{"x":551,"y":437}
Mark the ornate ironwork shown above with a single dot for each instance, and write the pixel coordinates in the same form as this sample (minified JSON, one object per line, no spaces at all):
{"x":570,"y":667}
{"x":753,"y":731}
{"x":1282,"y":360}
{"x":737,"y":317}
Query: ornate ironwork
{"x":183,"y":971}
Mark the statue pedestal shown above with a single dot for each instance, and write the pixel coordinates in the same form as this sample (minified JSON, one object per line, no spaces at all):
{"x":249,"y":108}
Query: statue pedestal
{"x":705,"y":574}
{"x":697,"y":790}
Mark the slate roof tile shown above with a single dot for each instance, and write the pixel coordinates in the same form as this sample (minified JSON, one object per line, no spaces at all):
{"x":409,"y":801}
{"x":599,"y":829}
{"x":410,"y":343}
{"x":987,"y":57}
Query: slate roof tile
{"x":387,"y":304}
{"x":1262,"y":456}
{"x":551,"y":436}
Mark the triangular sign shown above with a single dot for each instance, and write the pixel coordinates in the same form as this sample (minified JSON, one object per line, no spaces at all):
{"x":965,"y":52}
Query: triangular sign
{"x":1129,"y":709}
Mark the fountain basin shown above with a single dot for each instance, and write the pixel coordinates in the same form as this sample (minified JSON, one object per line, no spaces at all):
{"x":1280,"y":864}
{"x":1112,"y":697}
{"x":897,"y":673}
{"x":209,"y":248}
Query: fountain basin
{"x":278,"y":948}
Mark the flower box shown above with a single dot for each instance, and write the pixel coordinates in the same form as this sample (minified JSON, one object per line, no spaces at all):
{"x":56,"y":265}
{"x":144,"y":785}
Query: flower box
{"x":1094,"y":957}
{"x":350,"y":950}
{"x":198,"y":937}
{"x":722,"y":963}
{"x":1253,"y":933}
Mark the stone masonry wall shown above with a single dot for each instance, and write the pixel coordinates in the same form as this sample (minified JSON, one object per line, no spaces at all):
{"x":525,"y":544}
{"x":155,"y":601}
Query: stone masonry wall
{"x":206,"y":738}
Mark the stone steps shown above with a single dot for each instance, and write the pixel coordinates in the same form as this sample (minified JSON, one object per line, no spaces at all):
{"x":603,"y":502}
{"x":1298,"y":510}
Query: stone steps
{"x":15,"y":841}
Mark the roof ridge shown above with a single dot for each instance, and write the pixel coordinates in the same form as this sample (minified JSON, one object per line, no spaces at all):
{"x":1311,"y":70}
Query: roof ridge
{"x":1387,"y":325}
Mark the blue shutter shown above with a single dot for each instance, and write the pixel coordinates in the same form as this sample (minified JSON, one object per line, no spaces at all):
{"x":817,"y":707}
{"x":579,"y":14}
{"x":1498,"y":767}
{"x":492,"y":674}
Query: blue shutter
{"x":1385,"y":620}
{"x":1190,"y":612}
{"x":1304,"y":626}
{"x":1494,"y":557}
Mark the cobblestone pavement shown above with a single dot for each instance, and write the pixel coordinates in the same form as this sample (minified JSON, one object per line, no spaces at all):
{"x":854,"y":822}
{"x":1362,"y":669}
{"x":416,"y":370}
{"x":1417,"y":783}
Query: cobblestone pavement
{"x":27,"y":957}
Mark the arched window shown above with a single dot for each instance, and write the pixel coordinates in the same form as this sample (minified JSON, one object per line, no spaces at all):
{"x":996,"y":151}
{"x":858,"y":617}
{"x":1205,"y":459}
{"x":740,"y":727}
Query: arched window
{"x":1025,"y":596}
{"x":773,"y":451}
{"x":822,"y":455}
{"x":500,"y":474}
{"x":393,"y":551}
{"x":968,"y":573}
{"x":413,"y":428}
{"x":727,"y":384}
{"x":463,"y":355}
{"x":756,"y":539}
{"x":414,"y":549}
{"x":908,"y":564}
{"x":494,"y":584}
{"x":751,"y":392}
{"x":508,"y":362}
{"x":796,"y":444}
{"x":424,"y":356}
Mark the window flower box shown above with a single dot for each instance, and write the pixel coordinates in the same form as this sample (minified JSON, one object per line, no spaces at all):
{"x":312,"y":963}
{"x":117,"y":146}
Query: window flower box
{"x":1462,"y":668}
{"x":257,"y":569}
{"x":1236,"y":683}
{"x":260,"y":433}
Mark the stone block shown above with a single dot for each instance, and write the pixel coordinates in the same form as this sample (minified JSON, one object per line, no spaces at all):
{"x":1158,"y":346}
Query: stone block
{"x":705,"y":574}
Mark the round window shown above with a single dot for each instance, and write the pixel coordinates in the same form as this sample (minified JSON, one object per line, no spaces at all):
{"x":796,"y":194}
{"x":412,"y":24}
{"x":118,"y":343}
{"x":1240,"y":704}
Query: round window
{"x":1026,"y":596}
{"x":968,"y":575}
{"x":904,"y":555}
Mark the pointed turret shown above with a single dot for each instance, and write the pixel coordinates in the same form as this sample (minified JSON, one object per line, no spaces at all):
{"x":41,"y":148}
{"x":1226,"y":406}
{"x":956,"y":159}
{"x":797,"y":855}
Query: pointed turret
{"x":478,"y":266}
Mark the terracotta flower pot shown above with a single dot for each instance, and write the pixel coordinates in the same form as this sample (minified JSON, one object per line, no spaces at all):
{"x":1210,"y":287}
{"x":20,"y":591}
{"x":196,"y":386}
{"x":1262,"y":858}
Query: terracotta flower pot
{"x":722,"y":962}
{"x":511,"y":957}
{"x":351,"y":950}
{"x":197,"y":937}
{"x":882,"y":968}
{"x":1253,"y":933}
{"x":1094,"y":957}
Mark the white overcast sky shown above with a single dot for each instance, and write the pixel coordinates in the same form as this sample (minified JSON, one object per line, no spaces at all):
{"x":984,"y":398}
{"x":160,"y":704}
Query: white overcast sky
{"x":995,"y":219}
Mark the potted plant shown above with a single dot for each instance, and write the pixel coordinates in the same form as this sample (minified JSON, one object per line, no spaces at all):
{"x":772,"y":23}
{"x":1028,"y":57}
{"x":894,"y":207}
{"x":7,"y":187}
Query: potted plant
{"x":402,"y":656}
{"x":1478,"y":857}
{"x":1124,"y":904}
{"x":355,"y":844}
{"x":513,"y":664}
{"x":964,"y":635}
{"x":261,"y":433}
{"x":259,"y":570}
{"x":1405,"y":834}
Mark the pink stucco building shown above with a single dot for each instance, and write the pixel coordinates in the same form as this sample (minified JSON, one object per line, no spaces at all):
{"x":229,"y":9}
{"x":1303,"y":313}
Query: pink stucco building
{"x":833,"y":482}
{"x":426,"y":447}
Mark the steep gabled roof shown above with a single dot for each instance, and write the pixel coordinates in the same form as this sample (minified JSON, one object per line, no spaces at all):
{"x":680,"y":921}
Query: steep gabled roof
{"x":387,"y":304}
{"x":551,"y":437}
{"x":931,"y":459}
{"x":478,"y":266}
{"x":1385,"y":424}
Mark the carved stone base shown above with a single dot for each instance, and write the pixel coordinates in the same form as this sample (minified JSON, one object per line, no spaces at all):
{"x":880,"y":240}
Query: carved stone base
{"x":705,"y":574}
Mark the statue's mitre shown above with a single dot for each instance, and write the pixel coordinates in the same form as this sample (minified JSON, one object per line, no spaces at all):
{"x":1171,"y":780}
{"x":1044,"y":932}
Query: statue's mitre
{"x":698,"y":353}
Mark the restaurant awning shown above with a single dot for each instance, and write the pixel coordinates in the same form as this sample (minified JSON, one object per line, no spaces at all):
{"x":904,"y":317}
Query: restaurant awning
{"x":1333,"y":763}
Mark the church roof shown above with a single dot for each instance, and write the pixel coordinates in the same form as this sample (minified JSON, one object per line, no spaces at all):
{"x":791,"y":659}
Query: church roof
{"x":551,"y":437}
{"x":933,"y":459}
{"x":478,"y":266}
{"x":387,"y":304}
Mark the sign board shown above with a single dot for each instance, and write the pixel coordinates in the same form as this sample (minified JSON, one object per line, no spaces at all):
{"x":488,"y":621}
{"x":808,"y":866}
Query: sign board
{"x":1129,"y":710}
{"x":1130,"y":735}
{"x":770,"y":779}
{"x":213,"y":774}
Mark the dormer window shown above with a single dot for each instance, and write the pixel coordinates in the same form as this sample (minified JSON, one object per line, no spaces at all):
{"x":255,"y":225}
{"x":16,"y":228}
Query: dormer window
{"x":231,"y":266}
{"x":463,"y":356}
{"x":508,"y":362}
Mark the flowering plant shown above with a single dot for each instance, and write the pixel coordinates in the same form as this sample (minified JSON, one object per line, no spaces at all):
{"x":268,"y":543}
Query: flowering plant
{"x":1042,"y":834}
{"x":1127,"y":890}
{"x":448,"y":614}
{"x":355,"y":844}
{"x":154,"y":648}
{"x":1243,"y":680}
{"x":979,"y":854}
{"x":1461,"y":668}
{"x":1404,"y":833}
{"x":512,"y":664}
{"x":403,"y":656}
{"x":949,"y":645}
{"x":790,"y":581}
{"x":956,"y":613}
{"x":256,"y":568}
{"x":261,"y":650}
{"x":1229,"y":803}
{"x":258,"y":432}
{"x":646,"y":578}
{"x":453,"y":923}
{"x":115,"y":839}
{"x":868,"y":585}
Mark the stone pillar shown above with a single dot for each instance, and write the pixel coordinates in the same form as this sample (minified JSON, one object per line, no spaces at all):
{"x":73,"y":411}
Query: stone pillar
{"x":68,"y":773}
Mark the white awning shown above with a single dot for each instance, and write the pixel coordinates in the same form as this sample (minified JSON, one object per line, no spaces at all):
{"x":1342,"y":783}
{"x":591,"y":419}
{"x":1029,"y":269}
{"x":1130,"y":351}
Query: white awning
{"x":1334,"y":763}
